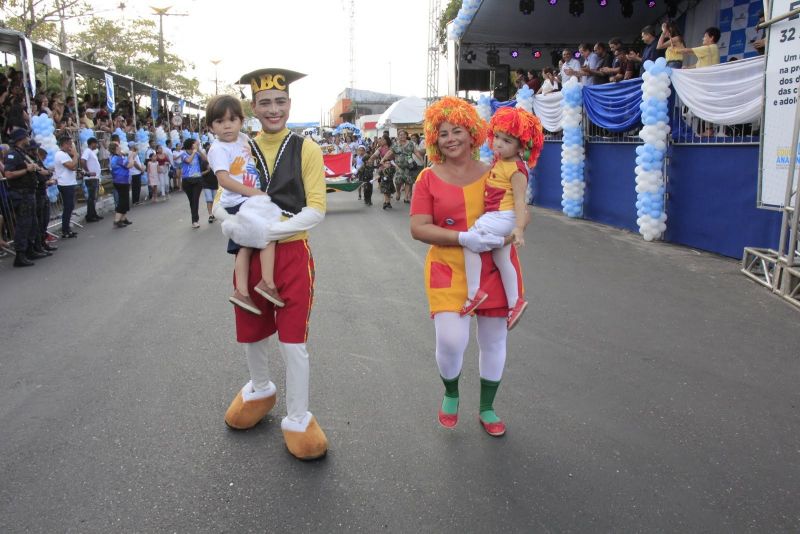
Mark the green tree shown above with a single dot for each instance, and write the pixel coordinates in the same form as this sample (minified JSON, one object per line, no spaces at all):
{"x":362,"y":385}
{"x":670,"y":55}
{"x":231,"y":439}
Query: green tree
{"x":131,"y":48}
{"x":447,"y":15}
{"x":42,"y":20}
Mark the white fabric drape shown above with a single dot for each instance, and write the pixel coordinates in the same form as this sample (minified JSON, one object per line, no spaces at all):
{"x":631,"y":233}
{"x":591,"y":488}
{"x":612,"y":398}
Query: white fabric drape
{"x":729,"y":93}
{"x":548,"y":109}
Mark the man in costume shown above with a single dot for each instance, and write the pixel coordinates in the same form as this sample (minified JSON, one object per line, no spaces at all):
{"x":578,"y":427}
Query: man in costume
{"x":293,"y":175}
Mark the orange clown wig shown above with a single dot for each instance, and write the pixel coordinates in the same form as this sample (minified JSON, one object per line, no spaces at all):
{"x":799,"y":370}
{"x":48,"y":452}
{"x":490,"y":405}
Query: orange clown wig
{"x":521,"y":125}
{"x":457,"y":112}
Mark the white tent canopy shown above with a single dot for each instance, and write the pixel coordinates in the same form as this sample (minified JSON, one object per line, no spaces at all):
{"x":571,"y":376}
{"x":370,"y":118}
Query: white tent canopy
{"x":409,"y":110}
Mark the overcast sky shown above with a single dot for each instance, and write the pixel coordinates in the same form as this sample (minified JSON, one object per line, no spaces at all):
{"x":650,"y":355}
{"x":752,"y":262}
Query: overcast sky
{"x":310,"y":36}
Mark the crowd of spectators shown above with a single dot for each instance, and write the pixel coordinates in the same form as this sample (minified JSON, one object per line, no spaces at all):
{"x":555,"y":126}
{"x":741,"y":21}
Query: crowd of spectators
{"x":614,"y":61}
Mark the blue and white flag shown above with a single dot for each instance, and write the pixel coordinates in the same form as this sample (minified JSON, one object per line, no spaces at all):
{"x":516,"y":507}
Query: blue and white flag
{"x":154,"y":104}
{"x":110,"y":101}
{"x":181,"y":102}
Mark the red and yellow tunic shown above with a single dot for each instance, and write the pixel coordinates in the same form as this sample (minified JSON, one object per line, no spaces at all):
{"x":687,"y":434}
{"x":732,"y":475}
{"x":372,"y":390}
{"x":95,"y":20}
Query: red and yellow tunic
{"x":457,"y":208}
{"x":499,"y":195}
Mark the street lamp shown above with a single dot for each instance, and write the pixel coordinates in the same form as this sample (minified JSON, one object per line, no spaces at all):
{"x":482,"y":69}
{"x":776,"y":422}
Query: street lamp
{"x":162,"y":12}
{"x":216,"y":78}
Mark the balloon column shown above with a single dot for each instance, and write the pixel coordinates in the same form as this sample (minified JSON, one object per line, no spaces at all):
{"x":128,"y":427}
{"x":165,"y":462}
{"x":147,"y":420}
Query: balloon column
{"x":123,"y":140}
{"x":484,"y":109}
{"x":572,"y":152}
{"x":525,"y":98}
{"x":83,"y":136}
{"x":651,"y":219}
{"x":43,"y":129}
{"x":161,"y":136}
{"x":464,"y":17}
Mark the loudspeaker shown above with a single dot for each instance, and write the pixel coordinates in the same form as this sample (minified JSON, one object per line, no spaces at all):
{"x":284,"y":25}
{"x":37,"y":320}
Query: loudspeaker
{"x":502,"y":81}
{"x":473,"y":80}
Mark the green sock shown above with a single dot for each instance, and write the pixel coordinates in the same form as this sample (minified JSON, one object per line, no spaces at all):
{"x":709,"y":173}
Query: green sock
{"x":450,"y":400}
{"x":488,"y":391}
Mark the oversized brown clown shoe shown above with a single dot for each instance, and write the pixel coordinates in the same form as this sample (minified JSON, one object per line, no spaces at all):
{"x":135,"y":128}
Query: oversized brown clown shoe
{"x":308,"y":444}
{"x":250,"y":407}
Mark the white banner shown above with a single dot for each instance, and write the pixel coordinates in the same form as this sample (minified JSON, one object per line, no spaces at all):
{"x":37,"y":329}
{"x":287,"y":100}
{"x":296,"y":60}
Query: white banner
{"x":110,"y":102}
{"x":780,"y":103}
{"x":31,"y":67}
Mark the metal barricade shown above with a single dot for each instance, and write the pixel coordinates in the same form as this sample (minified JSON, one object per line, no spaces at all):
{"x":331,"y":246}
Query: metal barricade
{"x":8,"y":222}
{"x":593,"y":133}
{"x":690,"y":130}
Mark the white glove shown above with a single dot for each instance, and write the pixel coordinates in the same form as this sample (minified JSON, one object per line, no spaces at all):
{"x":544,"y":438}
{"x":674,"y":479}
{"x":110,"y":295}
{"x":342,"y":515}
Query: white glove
{"x":307,"y":219}
{"x":479,"y":242}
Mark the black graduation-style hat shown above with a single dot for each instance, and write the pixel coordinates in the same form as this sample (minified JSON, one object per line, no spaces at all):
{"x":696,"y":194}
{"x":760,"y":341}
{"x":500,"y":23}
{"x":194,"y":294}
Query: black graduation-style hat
{"x":263,"y":79}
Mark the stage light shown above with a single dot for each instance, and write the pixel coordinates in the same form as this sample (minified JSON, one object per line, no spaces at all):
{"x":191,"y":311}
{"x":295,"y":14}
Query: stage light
{"x":470,"y":56}
{"x":627,"y":8}
{"x":577,"y":54}
{"x":493,"y":57}
{"x":603,"y":3}
{"x":513,"y":53}
{"x":672,"y":8}
{"x":526,"y":6}
{"x":576,"y":8}
{"x":552,"y":2}
{"x":536,"y":53}
{"x":651,"y":3}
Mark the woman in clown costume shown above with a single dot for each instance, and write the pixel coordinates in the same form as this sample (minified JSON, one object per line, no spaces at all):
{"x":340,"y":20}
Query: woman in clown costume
{"x":448,"y":199}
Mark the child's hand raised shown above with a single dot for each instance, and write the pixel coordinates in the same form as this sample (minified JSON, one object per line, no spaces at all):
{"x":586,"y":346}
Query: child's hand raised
{"x":518,"y":237}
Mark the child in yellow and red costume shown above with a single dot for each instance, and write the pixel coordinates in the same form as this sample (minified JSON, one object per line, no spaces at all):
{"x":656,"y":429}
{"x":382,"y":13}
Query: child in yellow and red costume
{"x":516,"y":138}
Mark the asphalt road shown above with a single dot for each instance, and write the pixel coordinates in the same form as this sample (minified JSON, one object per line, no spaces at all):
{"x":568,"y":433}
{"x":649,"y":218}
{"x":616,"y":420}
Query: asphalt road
{"x":649,"y":388}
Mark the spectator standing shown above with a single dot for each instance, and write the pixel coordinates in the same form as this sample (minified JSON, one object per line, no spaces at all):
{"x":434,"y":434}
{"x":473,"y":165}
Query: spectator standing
{"x":136,"y":174}
{"x":152,"y":176}
{"x":210,"y":183}
{"x":533,"y":82}
{"x":550,"y":83}
{"x":597,"y":62}
{"x":91,"y":178}
{"x":402,"y":153}
{"x":708,"y":53}
{"x":671,"y":41}
{"x":164,"y":165}
{"x":570,"y":67}
{"x":192,"y":180}
{"x":650,"y":51}
{"x":66,"y":165}
{"x":121,"y":177}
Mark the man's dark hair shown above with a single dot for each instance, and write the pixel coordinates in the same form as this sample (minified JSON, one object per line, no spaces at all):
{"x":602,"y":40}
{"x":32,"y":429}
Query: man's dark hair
{"x":713,"y":32}
{"x":221,"y":105}
{"x":585,"y":46}
{"x":616,"y":41}
{"x":115,"y":138}
{"x":91,"y":140}
{"x":187,"y":144}
{"x":64,"y":139}
{"x":649,"y":30}
{"x":602,"y":45}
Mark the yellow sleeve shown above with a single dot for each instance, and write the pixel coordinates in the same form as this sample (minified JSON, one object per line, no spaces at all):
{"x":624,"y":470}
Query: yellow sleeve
{"x":314,"y":176}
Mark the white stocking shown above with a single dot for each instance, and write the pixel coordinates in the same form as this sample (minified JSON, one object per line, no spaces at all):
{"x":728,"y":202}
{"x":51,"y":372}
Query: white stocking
{"x":295,"y":356}
{"x":258,"y":364}
{"x":508,"y":274}
{"x":472,"y":266}
{"x":492,"y":335}
{"x":452,"y":337}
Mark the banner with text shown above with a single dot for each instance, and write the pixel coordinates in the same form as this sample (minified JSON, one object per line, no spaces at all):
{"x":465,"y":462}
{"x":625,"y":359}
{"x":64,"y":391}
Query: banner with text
{"x":153,"y":104}
{"x":110,"y":101}
{"x":780,"y":102}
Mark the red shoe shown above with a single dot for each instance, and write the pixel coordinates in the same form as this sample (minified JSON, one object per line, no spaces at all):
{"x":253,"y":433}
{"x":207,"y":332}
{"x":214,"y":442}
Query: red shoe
{"x":448,"y":420}
{"x":516,"y":312}
{"x":494,"y":429}
{"x":472,"y":303}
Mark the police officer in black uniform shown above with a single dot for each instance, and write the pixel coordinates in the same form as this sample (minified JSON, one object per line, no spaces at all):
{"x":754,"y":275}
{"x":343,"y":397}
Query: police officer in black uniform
{"x":20,"y":172}
{"x":44,"y":178}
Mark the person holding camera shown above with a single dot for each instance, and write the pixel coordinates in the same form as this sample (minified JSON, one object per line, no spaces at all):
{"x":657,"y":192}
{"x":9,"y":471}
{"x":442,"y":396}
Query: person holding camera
{"x":66,"y":161}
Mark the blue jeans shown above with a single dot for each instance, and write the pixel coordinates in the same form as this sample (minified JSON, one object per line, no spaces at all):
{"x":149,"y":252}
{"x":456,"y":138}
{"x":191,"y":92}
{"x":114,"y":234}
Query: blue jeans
{"x":68,"y":198}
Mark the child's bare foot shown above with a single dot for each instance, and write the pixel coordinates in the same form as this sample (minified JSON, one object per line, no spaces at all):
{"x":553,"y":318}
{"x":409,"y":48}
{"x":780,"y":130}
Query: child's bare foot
{"x":244,"y":302}
{"x":269,"y":293}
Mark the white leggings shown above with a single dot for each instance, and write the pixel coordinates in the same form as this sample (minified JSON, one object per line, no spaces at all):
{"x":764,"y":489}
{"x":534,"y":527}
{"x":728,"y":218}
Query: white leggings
{"x":508,"y":274}
{"x":452,"y":337}
{"x":163,"y":182}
